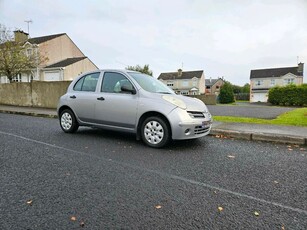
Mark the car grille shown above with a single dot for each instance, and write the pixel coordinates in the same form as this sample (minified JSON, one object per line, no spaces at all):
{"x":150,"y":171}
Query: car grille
{"x":194,"y":114}
{"x":201,"y":129}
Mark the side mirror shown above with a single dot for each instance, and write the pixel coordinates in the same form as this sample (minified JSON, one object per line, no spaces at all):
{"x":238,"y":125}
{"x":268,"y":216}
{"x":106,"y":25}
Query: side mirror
{"x":128,"y":89}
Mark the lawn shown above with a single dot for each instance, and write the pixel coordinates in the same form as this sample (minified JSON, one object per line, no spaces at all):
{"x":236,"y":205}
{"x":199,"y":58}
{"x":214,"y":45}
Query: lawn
{"x":297,"y":117}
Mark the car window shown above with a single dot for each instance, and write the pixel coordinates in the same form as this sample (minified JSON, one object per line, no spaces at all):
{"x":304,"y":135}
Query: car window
{"x":112,"y":83}
{"x":150,"y":84}
{"x":87,"y":83}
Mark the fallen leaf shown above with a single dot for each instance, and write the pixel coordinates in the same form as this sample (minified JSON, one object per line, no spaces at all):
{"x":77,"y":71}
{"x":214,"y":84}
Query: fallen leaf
{"x":289,"y":146}
{"x":30,"y":202}
{"x":215,"y":192}
{"x":290,"y":149}
{"x":231,"y":156}
{"x":283,"y":228}
{"x":73,"y":218}
{"x":158,"y":206}
{"x":302,"y":149}
{"x":256,"y":213}
{"x":275,"y":181}
{"x":220,"y":209}
{"x":82,"y":224}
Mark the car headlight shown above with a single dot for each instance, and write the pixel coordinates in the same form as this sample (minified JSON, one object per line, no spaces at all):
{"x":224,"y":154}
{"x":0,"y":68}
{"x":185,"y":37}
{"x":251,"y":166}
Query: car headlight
{"x":175,"y":101}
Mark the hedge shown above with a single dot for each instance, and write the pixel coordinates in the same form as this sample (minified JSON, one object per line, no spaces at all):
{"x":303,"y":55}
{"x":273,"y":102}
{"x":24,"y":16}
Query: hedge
{"x":288,"y":95}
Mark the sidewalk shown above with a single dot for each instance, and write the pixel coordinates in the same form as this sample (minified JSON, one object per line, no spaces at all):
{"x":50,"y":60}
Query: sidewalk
{"x":247,"y":131}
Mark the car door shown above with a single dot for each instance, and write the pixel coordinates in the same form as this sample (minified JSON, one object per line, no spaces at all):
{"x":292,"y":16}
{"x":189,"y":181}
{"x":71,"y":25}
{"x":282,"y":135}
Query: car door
{"x":83,"y":97}
{"x":114,"y":107}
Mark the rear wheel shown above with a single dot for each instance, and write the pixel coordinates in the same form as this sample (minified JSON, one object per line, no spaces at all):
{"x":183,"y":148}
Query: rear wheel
{"x":68,"y":121}
{"x":155,"y":132}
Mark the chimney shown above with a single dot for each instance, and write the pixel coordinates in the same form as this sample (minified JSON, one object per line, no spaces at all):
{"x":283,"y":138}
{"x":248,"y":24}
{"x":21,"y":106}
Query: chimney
{"x":210,"y":79}
{"x":20,"y":36}
{"x":300,"y":68}
{"x":179,"y":72}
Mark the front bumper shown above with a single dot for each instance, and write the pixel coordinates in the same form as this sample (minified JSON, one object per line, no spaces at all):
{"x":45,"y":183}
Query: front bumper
{"x":185,"y":127}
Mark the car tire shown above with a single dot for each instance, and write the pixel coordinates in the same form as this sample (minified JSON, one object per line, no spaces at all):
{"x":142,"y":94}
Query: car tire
{"x":155,"y":132}
{"x":68,"y":121}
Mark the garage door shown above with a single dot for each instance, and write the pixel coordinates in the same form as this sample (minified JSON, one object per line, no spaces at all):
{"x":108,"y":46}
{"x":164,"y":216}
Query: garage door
{"x":260,"y":97}
{"x":52,"y":76}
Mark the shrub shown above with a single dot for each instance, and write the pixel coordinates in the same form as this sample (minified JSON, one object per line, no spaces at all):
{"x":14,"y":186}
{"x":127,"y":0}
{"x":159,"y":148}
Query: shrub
{"x":226,"y":94}
{"x":288,"y":95}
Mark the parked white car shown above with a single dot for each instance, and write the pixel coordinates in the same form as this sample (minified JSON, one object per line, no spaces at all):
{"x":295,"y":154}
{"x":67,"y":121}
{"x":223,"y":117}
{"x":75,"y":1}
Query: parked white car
{"x":130,"y":101}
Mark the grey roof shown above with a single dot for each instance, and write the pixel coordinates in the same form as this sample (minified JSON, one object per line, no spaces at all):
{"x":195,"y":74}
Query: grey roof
{"x":42,"y":39}
{"x":211,"y":82}
{"x":184,"y":75}
{"x":275,"y":72}
{"x":65,"y":62}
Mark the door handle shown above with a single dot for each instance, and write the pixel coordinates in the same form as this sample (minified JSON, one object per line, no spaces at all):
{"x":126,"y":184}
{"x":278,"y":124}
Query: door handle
{"x":73,"y":97}
{"x":100,"y":98}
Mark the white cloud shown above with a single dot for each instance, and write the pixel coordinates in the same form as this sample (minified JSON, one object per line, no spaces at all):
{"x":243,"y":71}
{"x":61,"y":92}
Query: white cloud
{"x":225,"y":38}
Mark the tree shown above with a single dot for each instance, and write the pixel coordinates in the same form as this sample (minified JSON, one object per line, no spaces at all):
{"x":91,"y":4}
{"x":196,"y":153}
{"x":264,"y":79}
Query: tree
{"x":246,"y":88}
{"x":226,"y":93}
{"x":138,"y":68}
{"x":14,"y":58}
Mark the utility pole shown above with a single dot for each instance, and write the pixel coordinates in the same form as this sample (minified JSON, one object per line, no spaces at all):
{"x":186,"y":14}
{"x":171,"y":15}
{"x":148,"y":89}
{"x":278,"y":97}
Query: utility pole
{"x":28,"y":22}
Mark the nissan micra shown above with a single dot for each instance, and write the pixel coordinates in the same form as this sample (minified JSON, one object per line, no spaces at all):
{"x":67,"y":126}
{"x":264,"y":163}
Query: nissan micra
{"x":123,"y":100}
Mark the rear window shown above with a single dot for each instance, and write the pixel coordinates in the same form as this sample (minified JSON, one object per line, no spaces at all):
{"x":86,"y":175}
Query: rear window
{"x":87,"y":83}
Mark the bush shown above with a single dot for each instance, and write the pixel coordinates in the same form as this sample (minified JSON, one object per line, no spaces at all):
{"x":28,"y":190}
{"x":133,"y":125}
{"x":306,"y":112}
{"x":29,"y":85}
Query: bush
{"x":289,"y":95}
{"x":226,"y":94}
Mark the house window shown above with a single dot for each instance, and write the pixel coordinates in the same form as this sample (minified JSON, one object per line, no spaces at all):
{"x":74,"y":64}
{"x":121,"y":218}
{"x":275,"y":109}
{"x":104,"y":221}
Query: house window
{"x":185,"y":83}
{"x":289,"y":81}
{"x":17,"y":78}
{"x":194,"y":82}
{"x":170,"y":83}
{"x":184,"y":93}
{"x":272,"y":82}
{"x":259,"y":83}
{"x":208,"y":87}
{"x":29,"y":52}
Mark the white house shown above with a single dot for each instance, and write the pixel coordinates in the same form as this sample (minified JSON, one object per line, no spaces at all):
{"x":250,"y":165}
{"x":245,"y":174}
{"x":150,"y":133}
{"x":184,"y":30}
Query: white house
{"x":185,"y":82}
{"x":64,"y":60}
{"x":261,"y":80}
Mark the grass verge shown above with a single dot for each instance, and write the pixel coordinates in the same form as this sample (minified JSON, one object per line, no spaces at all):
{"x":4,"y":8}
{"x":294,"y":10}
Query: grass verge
{"x":297,"y":117}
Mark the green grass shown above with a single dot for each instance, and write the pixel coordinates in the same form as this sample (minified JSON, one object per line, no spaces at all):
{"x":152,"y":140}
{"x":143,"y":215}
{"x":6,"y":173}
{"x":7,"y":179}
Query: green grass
{"x":297,"y":117}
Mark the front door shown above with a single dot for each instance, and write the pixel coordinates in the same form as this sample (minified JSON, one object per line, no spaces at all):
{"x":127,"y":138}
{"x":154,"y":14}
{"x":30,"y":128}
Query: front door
{"x":114,"y":107}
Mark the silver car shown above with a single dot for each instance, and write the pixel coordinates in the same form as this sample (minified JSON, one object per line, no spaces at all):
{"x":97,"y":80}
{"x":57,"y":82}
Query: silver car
{"x":130,"y":101}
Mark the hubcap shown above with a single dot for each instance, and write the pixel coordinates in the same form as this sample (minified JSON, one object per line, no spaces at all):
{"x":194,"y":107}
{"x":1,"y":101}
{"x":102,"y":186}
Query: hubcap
{"x":153,"y":132}
{"x":66,"y":121}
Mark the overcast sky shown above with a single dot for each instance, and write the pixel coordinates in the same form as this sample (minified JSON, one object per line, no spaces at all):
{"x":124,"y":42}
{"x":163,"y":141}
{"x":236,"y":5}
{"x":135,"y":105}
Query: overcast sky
{"x":222,"y":37}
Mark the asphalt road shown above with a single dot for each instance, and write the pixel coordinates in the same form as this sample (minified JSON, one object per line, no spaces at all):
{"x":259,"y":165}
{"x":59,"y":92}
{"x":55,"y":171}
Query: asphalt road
{"x":100,"y":180}
{"x":249,"y":110}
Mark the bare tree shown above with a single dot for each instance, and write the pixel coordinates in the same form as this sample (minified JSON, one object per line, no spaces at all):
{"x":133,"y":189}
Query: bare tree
{"x":16,"y":57}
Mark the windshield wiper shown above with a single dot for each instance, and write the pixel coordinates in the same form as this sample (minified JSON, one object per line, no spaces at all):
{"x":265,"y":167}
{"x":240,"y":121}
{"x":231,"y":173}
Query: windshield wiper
{"x":164,"y":92}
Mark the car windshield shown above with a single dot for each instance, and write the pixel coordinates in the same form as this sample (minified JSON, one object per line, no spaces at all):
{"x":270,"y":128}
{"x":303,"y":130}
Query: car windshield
{"x":150,"y":84}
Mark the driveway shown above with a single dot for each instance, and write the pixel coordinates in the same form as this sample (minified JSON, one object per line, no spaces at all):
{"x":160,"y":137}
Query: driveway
{"x":248,"y":110}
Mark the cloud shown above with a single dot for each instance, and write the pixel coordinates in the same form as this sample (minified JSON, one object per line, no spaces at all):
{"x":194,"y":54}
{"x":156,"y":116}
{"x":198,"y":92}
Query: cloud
{"x":225,"y":38}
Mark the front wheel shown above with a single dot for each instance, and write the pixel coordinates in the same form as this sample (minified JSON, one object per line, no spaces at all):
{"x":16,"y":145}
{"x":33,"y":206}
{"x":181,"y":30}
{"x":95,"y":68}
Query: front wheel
{"x":68,"y":121}
{"x":155,"y":132}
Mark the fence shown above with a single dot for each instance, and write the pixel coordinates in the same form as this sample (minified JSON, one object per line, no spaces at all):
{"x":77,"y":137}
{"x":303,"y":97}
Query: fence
{"x":46,"y":94}
{"x":34,"y":94}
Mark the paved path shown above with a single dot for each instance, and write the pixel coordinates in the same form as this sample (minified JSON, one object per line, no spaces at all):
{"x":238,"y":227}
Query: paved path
{"x":255,"y":111}
{"x":272,"y":133}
